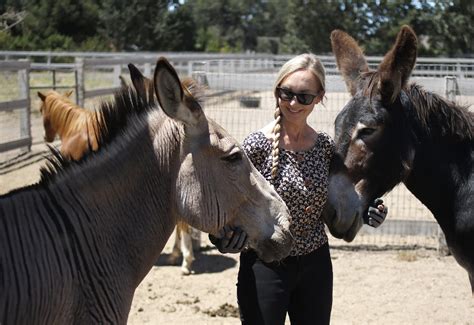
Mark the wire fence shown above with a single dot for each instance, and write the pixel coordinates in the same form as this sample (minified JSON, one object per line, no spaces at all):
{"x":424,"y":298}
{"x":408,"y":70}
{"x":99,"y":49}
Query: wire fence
{"x":239,"y":98}
{"x":409,"y":224}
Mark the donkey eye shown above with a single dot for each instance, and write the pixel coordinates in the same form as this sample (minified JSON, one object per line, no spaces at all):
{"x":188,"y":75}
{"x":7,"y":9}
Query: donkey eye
{"x":365,"y":132}
{"x":233,"y":157}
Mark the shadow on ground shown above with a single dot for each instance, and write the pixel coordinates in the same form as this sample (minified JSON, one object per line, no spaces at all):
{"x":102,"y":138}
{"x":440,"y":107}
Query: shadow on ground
{"x":204,"y":262}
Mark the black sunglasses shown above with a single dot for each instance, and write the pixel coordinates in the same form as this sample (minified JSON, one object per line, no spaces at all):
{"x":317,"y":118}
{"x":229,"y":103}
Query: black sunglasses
{"x":288,"y":95}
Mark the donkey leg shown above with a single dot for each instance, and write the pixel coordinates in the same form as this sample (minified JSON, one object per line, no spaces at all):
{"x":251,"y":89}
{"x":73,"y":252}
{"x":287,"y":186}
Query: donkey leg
{"x":175,"y":252}
{"x":187,"y":249}
{"x":196,"y":239}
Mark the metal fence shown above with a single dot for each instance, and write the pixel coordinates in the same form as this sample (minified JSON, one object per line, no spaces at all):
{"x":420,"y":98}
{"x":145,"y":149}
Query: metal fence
{"x":15,"y":106}
{"x":239,"y":98}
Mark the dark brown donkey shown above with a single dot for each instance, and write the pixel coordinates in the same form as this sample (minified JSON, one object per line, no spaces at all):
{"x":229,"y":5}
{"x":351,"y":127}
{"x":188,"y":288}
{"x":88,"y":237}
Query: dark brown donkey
{"x":392,"y":132}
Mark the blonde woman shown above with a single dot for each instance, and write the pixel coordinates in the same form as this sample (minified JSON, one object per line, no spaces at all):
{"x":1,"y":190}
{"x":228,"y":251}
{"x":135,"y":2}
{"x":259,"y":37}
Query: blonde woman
{"x":295,"y":159}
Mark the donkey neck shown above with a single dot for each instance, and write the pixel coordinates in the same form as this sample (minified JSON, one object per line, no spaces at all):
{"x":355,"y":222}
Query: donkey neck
{"x":442,"y":145}
{"x":439,"y":172}
{"x":124,"y":196}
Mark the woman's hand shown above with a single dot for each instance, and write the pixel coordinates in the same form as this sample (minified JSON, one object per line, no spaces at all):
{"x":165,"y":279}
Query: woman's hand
{"x":377,"y":213}
{"x":230,"y":240}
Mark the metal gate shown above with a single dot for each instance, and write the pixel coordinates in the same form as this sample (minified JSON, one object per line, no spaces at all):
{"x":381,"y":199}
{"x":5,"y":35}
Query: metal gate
{"x":15,"y":131}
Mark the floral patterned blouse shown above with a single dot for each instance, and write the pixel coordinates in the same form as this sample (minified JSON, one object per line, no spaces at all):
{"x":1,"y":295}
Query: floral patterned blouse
{"x":302,"y":182}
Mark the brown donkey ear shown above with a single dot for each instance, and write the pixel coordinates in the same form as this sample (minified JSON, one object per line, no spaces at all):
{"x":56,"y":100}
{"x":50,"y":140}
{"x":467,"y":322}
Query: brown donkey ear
{"x":138,"y":80}
{"x":349,"y":57}
{"x":142,"y":84}
{"x":41,"y":95}
{"x":396,"y":66}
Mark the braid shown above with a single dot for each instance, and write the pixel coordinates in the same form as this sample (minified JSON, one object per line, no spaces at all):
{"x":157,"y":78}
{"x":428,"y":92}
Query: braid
{"x":276,"y":142}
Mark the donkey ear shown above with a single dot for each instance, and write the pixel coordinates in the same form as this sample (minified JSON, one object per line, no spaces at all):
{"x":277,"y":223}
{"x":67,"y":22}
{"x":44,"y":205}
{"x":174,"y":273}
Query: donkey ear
{"x":170,"y":94}
{"x":41,"y":95}
{"x":349,"y":57}
{"x":396,"y":66}
{"x":138,"y":81}
{"x":68,"y":93}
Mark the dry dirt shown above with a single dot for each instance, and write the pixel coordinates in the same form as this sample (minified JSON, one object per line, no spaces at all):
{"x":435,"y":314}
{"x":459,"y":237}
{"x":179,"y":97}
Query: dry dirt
{"x":383,"y":286}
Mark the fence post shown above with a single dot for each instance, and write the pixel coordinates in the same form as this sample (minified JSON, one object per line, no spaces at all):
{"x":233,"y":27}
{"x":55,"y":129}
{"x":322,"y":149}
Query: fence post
{"x":201,"y":78}
{"x":199,"y":73}
{"x":116,"y":75}
{"x":451,"y":88}
{"x":24,"y":89}
{"x":147,"y":70}
{"x":459,"y":73}
{"x":190,"y":68}
{"x":80,"y":82}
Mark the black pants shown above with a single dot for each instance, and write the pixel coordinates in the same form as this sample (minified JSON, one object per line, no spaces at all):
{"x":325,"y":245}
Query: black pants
{"x":299,"y":285}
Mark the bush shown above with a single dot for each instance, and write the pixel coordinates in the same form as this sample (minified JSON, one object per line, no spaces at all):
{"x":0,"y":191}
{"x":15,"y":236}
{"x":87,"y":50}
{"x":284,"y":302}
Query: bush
{"x":96,"y":44}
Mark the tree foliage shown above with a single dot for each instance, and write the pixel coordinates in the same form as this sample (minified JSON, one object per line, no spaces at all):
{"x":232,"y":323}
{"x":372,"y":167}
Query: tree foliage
{"x":444,"y":28}
{"x":132,"y":29}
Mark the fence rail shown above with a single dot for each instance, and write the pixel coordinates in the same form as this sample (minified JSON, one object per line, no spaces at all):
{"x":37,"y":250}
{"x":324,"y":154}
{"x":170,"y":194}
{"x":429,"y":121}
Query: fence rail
{"x":457,"y":66}
{"x":230,"y":79}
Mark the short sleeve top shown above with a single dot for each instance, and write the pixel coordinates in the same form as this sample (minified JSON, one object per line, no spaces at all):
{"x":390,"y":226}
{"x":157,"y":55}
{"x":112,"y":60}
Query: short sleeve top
{"x":302,"y":182}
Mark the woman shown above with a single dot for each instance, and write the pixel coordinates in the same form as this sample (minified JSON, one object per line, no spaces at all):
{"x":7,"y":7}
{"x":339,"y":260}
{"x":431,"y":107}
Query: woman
{"x":295,"y":159}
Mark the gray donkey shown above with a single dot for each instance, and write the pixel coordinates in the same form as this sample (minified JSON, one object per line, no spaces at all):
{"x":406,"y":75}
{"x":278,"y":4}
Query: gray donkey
{"x":75,"y":246}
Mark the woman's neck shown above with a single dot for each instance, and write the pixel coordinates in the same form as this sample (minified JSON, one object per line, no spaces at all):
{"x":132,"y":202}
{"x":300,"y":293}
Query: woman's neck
{"x":293,"y":132}
{"x":297,"y":137}
{"x":292,"y":137}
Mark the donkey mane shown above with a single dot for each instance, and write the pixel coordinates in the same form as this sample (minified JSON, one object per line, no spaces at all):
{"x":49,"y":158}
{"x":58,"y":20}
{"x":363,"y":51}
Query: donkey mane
{"x":452,"y":120}
{"x":112,"y":118}
{"x":435,"y":115}
{"x":194,"y":89}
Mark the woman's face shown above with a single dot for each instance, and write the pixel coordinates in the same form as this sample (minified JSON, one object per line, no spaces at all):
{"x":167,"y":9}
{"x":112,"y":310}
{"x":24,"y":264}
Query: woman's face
{"x":298,"y":82}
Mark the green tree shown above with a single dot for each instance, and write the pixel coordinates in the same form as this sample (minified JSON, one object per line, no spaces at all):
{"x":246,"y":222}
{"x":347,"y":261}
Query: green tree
{"x":53,"y":24}
{"x":227,"y":25}
{"x":177,"y":32}
{"x":268,"y":23}
{"x":148,"y":25}
{"x":386,"y":19}
{"x":448,"y":28}
{"x":77,"y":20}
{"x":310,"y":22}
{"x":130,"y":24}
{"x":444,"y":28}
{"x":14,"y":5}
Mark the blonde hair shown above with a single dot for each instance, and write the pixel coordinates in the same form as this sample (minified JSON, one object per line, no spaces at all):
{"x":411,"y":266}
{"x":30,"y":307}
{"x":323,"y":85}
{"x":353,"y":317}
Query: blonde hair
{"x":306,"y":61}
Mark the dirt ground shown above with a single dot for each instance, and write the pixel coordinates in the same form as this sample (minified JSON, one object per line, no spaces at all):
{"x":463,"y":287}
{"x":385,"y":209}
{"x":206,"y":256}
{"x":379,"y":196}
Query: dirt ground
{"x":381,"y":286}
